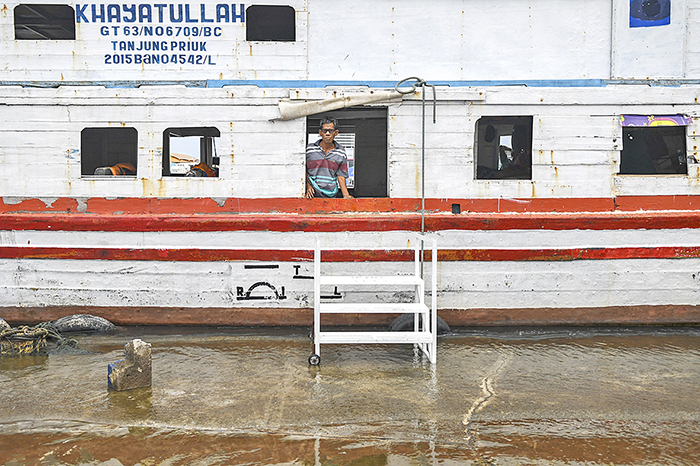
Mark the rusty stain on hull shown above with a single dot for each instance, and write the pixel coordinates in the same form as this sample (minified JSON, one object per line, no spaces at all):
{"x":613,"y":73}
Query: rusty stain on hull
{"x":647,"y":314}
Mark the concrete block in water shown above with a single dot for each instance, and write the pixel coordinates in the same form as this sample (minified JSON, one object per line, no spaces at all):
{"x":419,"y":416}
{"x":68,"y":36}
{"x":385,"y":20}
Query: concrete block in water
{"x":134,"y":371}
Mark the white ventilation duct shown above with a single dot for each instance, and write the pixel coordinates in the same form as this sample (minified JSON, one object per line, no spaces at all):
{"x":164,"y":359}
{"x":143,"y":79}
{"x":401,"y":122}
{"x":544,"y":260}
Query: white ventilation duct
{"x":290,"y":110}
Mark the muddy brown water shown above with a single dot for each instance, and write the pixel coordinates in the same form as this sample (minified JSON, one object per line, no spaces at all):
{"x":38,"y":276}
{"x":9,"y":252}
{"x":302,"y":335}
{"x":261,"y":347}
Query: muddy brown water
{"x":532,"y":396}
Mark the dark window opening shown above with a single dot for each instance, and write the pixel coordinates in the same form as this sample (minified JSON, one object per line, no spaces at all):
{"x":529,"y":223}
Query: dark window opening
{"x":191,"y":152}
{"x":108,"y":151}
{"x":658,"y":150}
{"x":363,"y":133}
{"x":44,"y":22}
{"x":504,"y":148}
{"x":270,"y":23}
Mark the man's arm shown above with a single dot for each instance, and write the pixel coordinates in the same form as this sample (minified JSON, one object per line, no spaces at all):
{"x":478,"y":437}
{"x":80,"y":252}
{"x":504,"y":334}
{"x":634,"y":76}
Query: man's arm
{"x":344,"y":188}
{"x":309,"y":188}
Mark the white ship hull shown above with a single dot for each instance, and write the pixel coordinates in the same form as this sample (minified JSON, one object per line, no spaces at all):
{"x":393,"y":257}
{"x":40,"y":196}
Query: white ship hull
{"x":584,"y":236}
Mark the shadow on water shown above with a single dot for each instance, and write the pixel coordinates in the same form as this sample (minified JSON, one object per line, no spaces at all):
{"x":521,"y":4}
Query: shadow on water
{"x":565,"y":332}
{"x":22,"y":362}
{"x":509,"y":396}
{"x":133,"y":404}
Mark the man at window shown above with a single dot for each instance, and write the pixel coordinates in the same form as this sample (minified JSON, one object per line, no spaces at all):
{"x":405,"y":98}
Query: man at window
{"x":326,"y":164}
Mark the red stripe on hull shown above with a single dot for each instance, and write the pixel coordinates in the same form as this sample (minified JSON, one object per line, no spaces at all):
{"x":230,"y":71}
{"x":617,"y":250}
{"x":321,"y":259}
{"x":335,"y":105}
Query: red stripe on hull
{"x":350,"y":222}
{"x":275,"y":255}
{"x":155,"y":206}
{"x":171,"y":206}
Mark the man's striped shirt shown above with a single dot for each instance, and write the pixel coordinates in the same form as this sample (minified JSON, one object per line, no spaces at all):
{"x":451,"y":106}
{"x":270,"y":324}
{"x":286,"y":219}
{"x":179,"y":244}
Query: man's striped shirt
{"x":323,"y":169}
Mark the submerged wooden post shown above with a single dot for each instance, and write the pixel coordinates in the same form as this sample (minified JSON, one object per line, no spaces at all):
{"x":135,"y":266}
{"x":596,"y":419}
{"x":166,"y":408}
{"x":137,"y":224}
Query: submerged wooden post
{"x":134,"y":371}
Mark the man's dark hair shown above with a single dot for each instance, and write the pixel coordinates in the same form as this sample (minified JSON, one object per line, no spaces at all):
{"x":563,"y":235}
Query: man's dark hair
{"x":326,"y":120}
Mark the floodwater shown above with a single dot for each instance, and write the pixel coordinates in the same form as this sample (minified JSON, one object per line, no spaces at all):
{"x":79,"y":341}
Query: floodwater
{"x":527,"y":396}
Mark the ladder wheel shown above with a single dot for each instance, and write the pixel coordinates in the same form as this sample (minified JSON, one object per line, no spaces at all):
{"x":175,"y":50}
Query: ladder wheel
{"x":314,"y":360}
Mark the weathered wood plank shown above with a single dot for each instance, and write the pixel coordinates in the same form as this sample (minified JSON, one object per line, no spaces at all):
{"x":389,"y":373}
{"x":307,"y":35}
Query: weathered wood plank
{"x":655,"y":184}
{"x":574,"y":157}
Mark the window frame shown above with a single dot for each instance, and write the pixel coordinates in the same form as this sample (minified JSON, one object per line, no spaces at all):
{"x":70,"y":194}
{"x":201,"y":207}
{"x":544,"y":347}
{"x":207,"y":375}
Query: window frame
{"x":654,"y":131}
{"x":372,"y":171}
{"x":498,"y":163}
{"x":208,"y":152}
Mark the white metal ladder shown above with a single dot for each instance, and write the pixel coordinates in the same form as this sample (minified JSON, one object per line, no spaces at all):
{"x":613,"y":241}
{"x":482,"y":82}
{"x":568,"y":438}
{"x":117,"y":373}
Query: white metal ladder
{"x":424,"y":332}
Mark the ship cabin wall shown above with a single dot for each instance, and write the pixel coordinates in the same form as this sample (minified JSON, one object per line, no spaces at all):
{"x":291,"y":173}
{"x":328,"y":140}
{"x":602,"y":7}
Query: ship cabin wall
{"x":356,"y":41}
{"x":576,"y":141}
{"x":567,"y":70}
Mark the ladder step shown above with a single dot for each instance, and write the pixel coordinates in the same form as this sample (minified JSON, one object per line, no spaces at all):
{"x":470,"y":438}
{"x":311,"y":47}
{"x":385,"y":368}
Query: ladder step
{"x":372,"y":308}
{"x":374,"y":337}
{"x":370,"y":280}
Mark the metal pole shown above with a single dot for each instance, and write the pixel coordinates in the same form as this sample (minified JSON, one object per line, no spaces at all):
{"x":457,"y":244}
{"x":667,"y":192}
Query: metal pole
{"x":422,"y":168}
{"x":423,"y":85}
{"x":422,"y":181}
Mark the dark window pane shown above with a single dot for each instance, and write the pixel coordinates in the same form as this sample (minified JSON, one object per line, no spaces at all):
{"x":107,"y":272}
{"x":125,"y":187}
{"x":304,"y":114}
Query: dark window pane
{"x":270,"y":23}
{"x":108,"y":151}
{"x":653,"y":151}
{"x":44,"y":22}
{"x":504,"y":148}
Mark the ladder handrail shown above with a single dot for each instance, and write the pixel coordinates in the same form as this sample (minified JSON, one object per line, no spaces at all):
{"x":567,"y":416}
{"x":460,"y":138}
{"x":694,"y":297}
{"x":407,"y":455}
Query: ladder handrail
{"x":429,"y":322}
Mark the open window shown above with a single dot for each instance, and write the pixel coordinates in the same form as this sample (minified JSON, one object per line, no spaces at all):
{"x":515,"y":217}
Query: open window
{"x":653,"y":145}
{"x":108,"y":151}
{"x":44,"y":22}
{"x":503,"y":148}
{"x":363,"y":133}
{"x":270,"y":23}
{"x":191,"y":152}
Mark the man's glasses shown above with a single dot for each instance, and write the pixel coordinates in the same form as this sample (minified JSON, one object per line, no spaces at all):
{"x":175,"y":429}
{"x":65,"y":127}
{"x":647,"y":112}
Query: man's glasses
{"x":327,"y":130}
